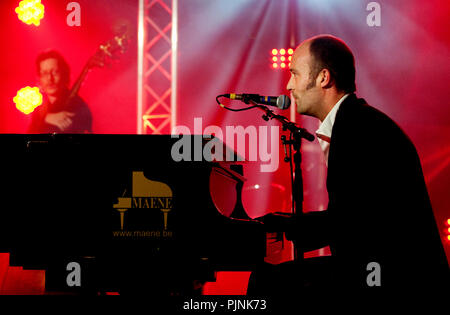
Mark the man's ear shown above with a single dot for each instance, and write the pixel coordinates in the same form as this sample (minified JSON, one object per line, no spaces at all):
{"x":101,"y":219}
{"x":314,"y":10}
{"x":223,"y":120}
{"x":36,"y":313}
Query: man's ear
{"x":324,"y":79}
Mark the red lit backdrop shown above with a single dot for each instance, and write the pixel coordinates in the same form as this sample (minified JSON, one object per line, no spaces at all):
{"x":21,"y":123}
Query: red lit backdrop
{"x":226,"y":46}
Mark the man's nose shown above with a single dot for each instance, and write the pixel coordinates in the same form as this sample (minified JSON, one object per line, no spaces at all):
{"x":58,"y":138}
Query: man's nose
{"x":289,"y":85}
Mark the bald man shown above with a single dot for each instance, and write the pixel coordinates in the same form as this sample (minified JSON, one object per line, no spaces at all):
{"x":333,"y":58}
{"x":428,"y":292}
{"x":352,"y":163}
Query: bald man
{"x":379,"y":223}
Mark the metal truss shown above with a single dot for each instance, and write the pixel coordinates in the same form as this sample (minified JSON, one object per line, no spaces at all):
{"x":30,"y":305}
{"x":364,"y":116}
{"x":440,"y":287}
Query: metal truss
{"x":157,"y":42}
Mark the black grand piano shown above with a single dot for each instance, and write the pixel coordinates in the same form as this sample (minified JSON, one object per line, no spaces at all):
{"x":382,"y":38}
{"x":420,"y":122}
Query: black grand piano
{"x":120,"y":207}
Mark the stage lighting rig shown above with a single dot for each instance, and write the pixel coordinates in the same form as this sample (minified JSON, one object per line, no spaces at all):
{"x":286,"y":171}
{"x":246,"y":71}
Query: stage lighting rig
{"x":27,"y":99}
{"x":30,"y":11}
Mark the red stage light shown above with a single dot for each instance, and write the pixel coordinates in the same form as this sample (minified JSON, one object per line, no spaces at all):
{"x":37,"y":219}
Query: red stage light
{"x":27,"y":99}
{"x":283,"y":58}
{"x":274,"y":52}
{"x":283,"y":65}
{"x":290,"y":52}
{"x":448,"y":229}
{"x":30,"y":11}
{"x":275,"y":65}
{"x":275,"y":58}
{"x":282,"y":51}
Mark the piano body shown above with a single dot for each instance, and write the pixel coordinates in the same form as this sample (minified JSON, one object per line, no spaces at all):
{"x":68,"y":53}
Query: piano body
{"x":119,"y":206}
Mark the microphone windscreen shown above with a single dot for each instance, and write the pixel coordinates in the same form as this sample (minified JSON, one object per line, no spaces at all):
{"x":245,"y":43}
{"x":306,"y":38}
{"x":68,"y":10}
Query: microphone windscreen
{"x":283,"y":102}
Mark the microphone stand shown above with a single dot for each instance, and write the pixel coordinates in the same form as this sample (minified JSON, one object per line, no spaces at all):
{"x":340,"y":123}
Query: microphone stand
{"x":295,"y":141}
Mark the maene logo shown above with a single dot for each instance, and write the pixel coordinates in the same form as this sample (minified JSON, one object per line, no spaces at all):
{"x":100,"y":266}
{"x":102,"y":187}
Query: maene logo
{"x":147,"y":195}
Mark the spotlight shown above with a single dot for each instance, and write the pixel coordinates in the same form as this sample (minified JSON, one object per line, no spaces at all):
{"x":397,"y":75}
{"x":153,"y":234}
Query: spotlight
{"x":280,"y":55}
{"x":30,"y":11}
{"x":447,"y":230}
{"x":27,"y":99}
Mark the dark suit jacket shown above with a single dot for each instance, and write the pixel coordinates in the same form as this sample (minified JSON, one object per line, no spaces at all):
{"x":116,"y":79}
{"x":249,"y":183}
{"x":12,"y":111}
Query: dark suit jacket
{"x":379,"y":209}
{"x":81,"y":121}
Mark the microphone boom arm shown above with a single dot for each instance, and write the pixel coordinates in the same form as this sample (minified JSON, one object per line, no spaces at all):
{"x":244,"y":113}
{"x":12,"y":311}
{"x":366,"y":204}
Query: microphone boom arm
{"x":286,"y":123}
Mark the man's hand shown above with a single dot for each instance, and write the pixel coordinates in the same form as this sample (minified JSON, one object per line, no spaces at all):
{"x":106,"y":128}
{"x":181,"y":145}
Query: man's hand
{"x":62,"y":120}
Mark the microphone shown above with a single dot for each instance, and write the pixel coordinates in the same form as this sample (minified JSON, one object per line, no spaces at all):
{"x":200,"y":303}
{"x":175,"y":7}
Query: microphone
{"x":282,"y":101}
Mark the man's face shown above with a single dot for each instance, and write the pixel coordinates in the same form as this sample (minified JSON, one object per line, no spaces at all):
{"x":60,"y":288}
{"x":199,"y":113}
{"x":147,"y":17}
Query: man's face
{"x":303,"y":88}
{"x":50,"y":77}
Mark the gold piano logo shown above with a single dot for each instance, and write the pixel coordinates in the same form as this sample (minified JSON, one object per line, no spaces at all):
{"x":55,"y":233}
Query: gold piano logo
{"x":147,"y":195}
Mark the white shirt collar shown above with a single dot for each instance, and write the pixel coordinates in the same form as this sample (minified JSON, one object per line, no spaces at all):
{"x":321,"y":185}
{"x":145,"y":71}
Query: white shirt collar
{"x":326,"y":126}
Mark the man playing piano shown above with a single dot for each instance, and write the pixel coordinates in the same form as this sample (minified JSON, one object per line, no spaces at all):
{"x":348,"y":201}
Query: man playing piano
{"x":379,"y":217}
